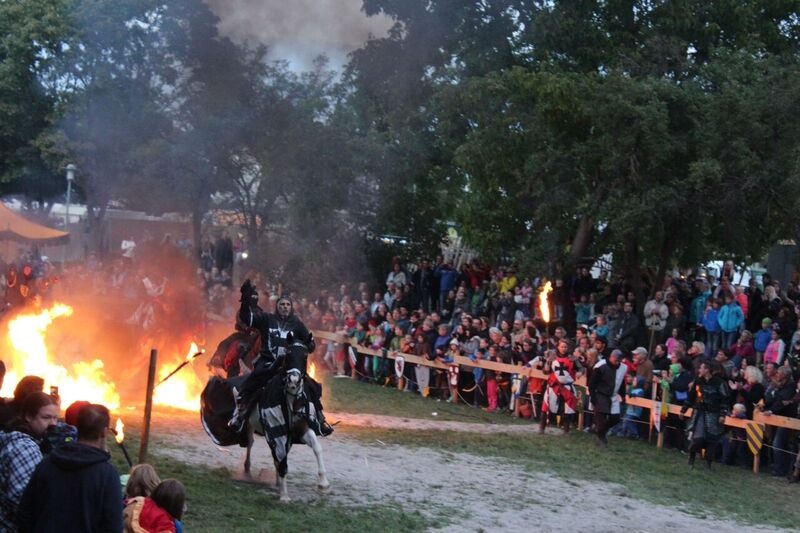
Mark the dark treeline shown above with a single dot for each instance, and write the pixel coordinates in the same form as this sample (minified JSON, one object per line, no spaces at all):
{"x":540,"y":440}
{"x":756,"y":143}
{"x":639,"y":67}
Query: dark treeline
{"x":549,"y":132}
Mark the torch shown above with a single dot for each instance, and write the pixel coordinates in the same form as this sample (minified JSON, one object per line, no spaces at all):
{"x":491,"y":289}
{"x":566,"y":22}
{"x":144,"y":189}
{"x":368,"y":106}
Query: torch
{"x":544,"y":310}
{"x":119,"y":436}
{"x":189,"y":358}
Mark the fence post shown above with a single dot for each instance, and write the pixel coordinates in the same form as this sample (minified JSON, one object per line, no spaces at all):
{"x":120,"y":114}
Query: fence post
{"x":148,"y":406}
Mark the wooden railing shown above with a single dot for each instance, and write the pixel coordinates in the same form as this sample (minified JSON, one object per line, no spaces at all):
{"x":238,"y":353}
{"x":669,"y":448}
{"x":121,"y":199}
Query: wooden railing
{"x":647,"y":403}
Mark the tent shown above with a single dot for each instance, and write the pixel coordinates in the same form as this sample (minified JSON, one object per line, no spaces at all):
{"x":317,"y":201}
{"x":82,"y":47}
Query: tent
{"x":16,"y":227}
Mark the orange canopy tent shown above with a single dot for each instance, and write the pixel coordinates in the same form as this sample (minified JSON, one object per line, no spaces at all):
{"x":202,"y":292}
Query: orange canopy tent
{"x":19,"y":228}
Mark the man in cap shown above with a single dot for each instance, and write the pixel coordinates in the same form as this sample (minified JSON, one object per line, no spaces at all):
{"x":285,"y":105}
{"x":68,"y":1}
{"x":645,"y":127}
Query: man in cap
{"x":275,"y":330}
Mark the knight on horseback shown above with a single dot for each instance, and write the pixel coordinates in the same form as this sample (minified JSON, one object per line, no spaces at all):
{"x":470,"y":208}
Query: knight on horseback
{"x":275,"y":329}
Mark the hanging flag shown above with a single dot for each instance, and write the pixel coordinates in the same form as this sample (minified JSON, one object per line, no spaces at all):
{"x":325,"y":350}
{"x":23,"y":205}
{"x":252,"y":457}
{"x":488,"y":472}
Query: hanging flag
{"x":755,"y":437}
{"x":353,"y":356}
{"x":453,"y":371}
{"x":399,"y":365}
{"x":655,"y":412}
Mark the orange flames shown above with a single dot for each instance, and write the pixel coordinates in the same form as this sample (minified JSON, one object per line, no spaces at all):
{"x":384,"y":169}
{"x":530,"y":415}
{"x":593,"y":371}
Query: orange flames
{"x":29,"y":356}
{"x":119,"y":431}
{"x":312,"y":371}
{"x":544,"y":305}
{"x":182,"y":390}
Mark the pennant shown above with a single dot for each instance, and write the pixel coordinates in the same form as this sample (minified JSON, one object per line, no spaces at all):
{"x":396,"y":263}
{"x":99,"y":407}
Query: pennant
{"x":755,"y":437}
{"x":353,"y":356}
{"x":655,"y":412}
{"x":399,"y":365}
{"x":453,"y":370}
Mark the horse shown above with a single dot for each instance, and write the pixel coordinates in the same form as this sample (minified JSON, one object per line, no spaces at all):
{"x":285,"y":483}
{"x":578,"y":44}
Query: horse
{"x":285,"y":416}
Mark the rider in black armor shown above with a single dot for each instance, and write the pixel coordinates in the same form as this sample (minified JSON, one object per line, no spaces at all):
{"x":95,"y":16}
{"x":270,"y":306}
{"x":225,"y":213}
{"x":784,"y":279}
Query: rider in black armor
{"x":274,"y":329}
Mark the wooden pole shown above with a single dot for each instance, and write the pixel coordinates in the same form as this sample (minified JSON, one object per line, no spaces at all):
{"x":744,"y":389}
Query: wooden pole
{"x":148,"y":406}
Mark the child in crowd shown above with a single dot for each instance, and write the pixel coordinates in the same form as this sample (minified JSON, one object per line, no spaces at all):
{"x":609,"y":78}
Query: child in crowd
{"x":601,"y":326}
{"x":142,"y":481}
{"x":672,"y":342}
{"x":711,"y":325}
{"x":583,"y":310}
{"x":627,"y":426}
{"x":734,"y":443}
{"x":159,"y":512}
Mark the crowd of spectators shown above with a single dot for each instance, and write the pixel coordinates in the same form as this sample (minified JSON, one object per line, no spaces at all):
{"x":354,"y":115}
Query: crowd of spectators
{"x":748,"y":334}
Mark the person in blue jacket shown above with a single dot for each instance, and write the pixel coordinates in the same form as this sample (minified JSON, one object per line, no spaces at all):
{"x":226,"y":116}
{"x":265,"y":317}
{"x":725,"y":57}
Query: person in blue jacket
{"x":730,"y":320}
{"x":762,"y":338}
{"x":711,"y":325}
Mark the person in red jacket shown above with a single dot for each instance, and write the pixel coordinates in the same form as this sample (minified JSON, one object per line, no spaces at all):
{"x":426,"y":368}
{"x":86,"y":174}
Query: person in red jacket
{"x":159,"y":513}
{"x":560,"y":398}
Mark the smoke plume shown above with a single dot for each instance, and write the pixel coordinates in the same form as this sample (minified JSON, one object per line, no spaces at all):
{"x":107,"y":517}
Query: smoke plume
{"x":300,"y":30}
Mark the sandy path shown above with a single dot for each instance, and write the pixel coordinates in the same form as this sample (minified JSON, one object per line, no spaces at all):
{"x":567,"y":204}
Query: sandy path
{"x":466,"y":492}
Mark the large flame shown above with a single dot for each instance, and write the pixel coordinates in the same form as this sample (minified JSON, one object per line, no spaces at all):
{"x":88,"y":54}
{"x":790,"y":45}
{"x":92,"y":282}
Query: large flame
{"x":544,"y":305}
{"x":29,"y":356}
{"x":181,"y":390}
{"x":119,"y":431}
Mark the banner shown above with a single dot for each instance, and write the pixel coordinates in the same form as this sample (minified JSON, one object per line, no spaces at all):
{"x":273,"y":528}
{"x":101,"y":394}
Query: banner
{"x":755,"y":437}
{"x":353,"y":357}
{"x":655,"y":412}
{"x":399,"y":365}
{"x":453,"y":371}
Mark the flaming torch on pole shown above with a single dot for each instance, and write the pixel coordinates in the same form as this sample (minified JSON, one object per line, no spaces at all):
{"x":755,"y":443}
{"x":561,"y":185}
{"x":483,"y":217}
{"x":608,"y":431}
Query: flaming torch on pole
{"x":544,"y":310}
{"x":189,"y":358}
{"x":119,"y":436}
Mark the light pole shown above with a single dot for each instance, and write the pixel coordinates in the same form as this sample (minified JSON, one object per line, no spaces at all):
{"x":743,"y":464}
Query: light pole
{"x":70,"y":177}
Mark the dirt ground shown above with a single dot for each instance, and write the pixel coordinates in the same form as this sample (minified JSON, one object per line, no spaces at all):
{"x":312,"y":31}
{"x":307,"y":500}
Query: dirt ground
{"x":465,"y":492}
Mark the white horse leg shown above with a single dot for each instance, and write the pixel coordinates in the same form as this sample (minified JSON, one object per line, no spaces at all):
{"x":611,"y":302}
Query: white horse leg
{"x":311,"y":439}
{"x":280,"y":482}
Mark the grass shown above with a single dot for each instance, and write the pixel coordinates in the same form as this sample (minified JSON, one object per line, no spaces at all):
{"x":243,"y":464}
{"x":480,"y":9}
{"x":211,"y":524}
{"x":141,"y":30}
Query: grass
{"x":356,"y":397}
{"x":218,"y":504}
{"x":641,"y":471}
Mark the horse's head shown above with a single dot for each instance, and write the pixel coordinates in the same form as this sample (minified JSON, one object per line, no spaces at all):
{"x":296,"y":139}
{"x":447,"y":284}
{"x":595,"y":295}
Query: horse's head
{"x":296,"y":358}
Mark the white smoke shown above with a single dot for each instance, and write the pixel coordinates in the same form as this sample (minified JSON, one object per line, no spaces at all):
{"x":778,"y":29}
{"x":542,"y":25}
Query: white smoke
{"x":300,"y":30}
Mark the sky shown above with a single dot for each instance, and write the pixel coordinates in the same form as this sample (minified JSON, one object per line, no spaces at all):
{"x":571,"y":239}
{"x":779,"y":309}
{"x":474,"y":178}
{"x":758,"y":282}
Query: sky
{"x":300,"y":30}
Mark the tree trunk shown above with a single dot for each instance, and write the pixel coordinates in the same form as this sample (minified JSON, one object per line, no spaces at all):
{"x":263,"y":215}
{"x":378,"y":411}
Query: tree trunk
{"x":581,"y":241}
{"x":665,"y":254}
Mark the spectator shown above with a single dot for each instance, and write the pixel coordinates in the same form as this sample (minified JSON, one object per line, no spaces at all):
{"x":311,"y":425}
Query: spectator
{"x":743,"y":350}
{"x":142,"y":481}
{"x":75,"y":488}
{"x":762,"y":338}
{"x":656,"y":313}
{"x":644,"y":367}
{"x":20,"y":452}
{"x":731,"y":319}
{"x":396,"y":276}
{"x":711,"y":326}
{"x":776,"y":348}
{"x":628,"y":332}
{"x":627,"y":427}
{"x":778,"y":401}
{"x":752,"y":390}
{"x":11,"y":411}
{"x":446,"y":277}
{"x":160,"y":513}
{"x":722,"y":357}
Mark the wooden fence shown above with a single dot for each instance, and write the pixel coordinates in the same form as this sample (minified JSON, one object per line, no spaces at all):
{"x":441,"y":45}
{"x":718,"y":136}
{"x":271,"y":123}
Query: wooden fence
{"x":580,"y":382}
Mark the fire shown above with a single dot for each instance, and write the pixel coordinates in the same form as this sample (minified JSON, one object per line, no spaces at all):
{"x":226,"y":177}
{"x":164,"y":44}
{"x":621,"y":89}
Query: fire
{"x":544,"y":305}
{"x":181,"y":390}
{"x":29,"y":356}
{"x":119,"y":429}
{"x":312,"y":371}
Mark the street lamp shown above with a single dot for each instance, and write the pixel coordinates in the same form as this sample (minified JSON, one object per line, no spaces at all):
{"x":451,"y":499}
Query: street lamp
{"x":70,"y":178}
